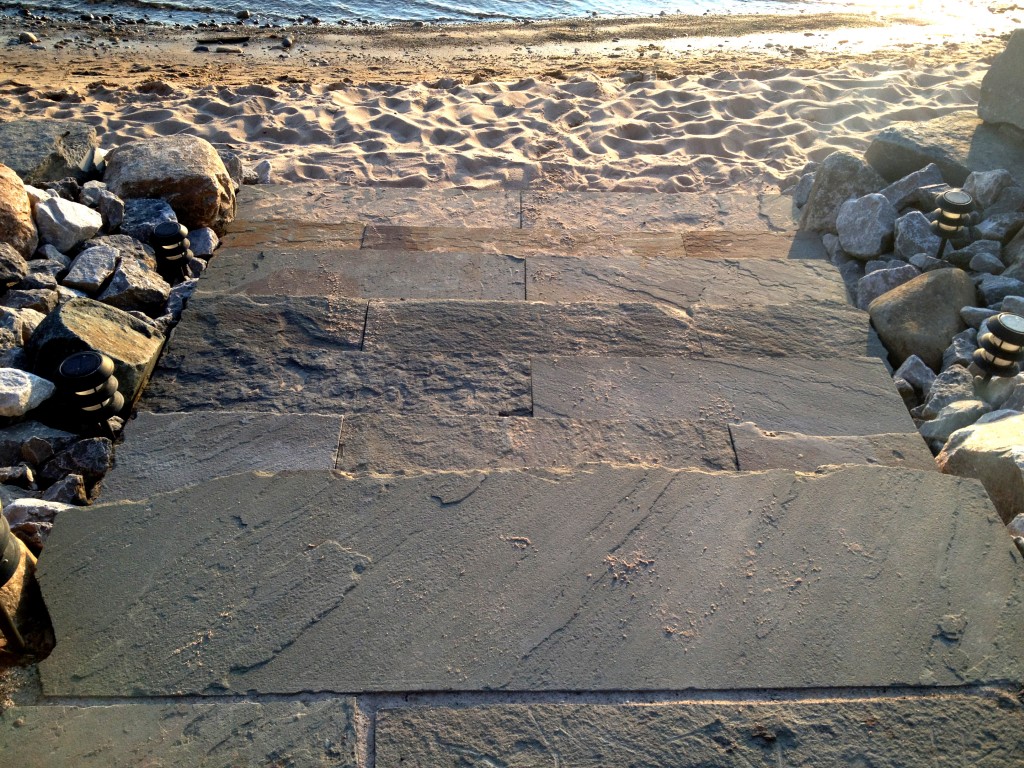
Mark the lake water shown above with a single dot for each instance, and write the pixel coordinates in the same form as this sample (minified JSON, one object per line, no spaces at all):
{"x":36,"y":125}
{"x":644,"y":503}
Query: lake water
{"x":335,"y":11}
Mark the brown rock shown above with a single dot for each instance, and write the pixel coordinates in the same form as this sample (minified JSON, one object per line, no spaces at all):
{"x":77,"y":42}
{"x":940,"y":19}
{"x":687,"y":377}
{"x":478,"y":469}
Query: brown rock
{"x":183,"y":170}
{"x":922,"y":316}
{"x":994,"y":454}
{"x":16,"y":225}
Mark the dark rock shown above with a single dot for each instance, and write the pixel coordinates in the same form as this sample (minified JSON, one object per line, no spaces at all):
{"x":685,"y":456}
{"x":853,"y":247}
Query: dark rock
{"x":90,"y":458}
{"x":83,"y":324}
{"x":1010,"y":200}
{"x":1001,"y":227}
{"x":994,"y":288}
{"x":67,"y":189}
{"x":40,"y":299}
{"x":17,"y":227}
{"x":961,"y":349}
{"x":13,"y":267}
{"x":955,"y":383}
{"x":923,"y":315}
{"x":111,"y":208}
{"x":15,"y":437}
{"x":92,"y":268}
{"x":183,"y":170}
{"x":914,"y":235}
{"x":1013,"y":252}
{"x":41,"y":150}
{"x":865,"y":226}
{"x":840,"y":177}
{"x":916,"y":373}
{"x":1002,"y":93}
{"x":136,"y":286}
{"x":905,"y":191}
{"x":881,"y":281}
{"x":143,"y":215}
{"x":127,"y":247}
{"x":19,"y":475}
{"x":987,"y":263}
{"x":963,"y":257}
{"x":68,"y":490}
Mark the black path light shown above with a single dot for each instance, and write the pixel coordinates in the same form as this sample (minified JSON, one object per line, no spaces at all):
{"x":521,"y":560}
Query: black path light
{"x":955,"y":213}
{"x":1001,"y":350}
{"x":170,"y":242}
{"x":87,"y":383}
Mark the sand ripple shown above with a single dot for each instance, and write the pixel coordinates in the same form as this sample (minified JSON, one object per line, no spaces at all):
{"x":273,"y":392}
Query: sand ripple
{"x":629,"y":132}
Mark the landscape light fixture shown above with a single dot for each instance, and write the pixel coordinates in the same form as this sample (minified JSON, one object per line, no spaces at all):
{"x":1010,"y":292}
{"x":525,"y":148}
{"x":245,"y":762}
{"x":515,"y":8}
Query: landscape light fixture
{"x":954,"y":214}
{"x":170,"y":242}
{"x":10,"y":558}
{"x":86,"y":381}
{"x":1001,"y":350}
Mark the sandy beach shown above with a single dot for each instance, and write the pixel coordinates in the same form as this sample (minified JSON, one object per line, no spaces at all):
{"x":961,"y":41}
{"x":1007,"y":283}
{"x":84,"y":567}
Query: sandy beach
{"x":669,"y":104}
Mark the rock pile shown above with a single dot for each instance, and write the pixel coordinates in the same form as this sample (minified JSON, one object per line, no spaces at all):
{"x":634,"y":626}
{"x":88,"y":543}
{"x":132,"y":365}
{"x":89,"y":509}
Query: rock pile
{"x":929,"y":309}
{"x":77,"y":272}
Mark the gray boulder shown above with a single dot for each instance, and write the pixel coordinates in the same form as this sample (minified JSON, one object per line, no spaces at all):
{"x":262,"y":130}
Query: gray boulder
{"x":127,"y":247}
{"x":916,"y":373}
{"x":20,"y":392}
{"x":923,"y":315}
{"x":956,"y":415}
{"x":903,"y":149}
{"x":986,"y":263}
{"x":203,"y":242}
{"x":881,"y":281}
{"x":1013,"y":252}
{"x":914,"y":235}
{"x":41,"y":150}
{"x":1010,"y":199}
{"x":986,"y":186}
{"x":64,"y":224}
{"x":1002,"y":92}
{"x":865,"y":226}
{"x":17,"y":227}
{"x":235,"y":169}
{"x":904,"y":191}
{"x":136,"y":287}
{"x":15,"y":438}
{"x":41,"y":300}
{"x":994,"y":454}
{"x":994,"y":288}
{"x":13,"y":266}
{"x":183,"y":170}
{"x":951,"y":385}
{"x":92,"y":268}
{"x":111,"y":208}
{"x":963,"y":257}
{"x":90,"y":193}
{"x":1001,"y":227}
{"x":961,"y":349}
{"x":927,"y":263}
{"x":143,"y":215}
{"x":1014,"y":304}
{"x":840,"y":177}
{"x":80,"y":324}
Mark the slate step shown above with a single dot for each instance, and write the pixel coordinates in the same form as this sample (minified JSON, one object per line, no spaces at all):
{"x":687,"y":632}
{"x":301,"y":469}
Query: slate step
{"x":884,"y":732}
{"x":367,"y":274}
{"x":303,"y":734}
{"x":813,"y":397}
{"x":329,"y":202}
{"x":602,"y":579}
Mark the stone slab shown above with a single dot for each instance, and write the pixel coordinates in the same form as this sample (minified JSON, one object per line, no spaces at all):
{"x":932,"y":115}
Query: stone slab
{"x":527,"y":327}
{"x":608,"y":578}
{"x":369,"y":274}
{"x":300,"y":734}
{"x":682,"y":282}
{"x":758,"y":449}
{"x":800,"y":329}
{"x":165,"y":451}
{"x":302,"y":355}
{"x":838,"y":397}
{"x":387,"y":444}
{"x":724,"y":244}
{"x":330,"y":202}
{"x":619,"y":211}
{"x":891,"y":732}
{"x":248,"y":235}
{"x":524,"y":242}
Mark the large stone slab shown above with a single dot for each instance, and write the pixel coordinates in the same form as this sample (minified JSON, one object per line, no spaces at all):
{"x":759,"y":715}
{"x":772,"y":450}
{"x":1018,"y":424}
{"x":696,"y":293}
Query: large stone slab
{"x":837,"y":397}
{"x":370,"y":274}
{"x":527,"y":327}
{"x":621,"y":211}
{"x":301,"y":355}
{"x":332,"y":203}
{"x":758,"y":449}
{"x":682,"y":282}
{"x":609,"y":578}
{"x":721,"y":244}
{"x":302,"y":734}
{"x":800,"y":329}
{"x":524,"y":242}
{"x":248,"y":236}
{"x":166,"y":451}
{"x":383,"y":444}
{"x":886,"y":732}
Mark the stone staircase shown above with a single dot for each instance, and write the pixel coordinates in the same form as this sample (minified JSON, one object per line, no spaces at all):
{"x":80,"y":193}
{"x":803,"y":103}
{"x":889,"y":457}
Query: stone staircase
{"x":623,"y":481}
